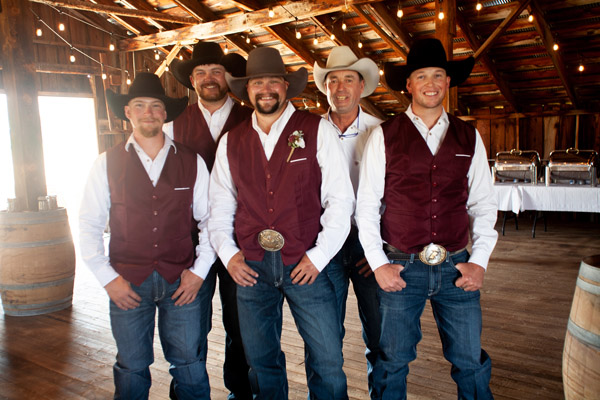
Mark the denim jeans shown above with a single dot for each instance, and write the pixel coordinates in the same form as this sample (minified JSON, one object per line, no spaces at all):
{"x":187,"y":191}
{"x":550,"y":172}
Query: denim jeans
{"x":182,"y":331}
{"x":340,"y":270}
{"x":458,"y":317}
{"x":314,"y":310}
{"x":235,"y":367}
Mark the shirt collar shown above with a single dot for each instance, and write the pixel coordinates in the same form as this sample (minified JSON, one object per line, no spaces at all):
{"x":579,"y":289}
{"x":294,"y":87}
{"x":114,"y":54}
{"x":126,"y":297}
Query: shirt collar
{"x":280,"y":123}
{"x":227,"y":106}
{"x":132,"y":142}
{"x":413,"y":117}
{"x":352,"y":130}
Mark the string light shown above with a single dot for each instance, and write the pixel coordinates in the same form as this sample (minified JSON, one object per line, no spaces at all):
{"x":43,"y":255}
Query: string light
{"x":128,"y":80}
{"x":441,"y":15}
{"x":332,"y":37}
{"x":271,"y":12}
{"x":315,"y":41}
{"x":226,"y":49}
{"x":360,"y":44}
{"x":530,"y":19}
{"x":111,"y":47}
{"x":581,"y":68}
{"x":555,"y":47}
{"x":380,"y":71}
{"x":103,"y":76}
{"x":72,"y":56}
{"x":242,"y":102}
{"x":156,"y":55}
{"x":400,"y":13}
{"x":479,"y":6}
{"x":318,"y":103}
{"x":180,"y":57}
{"x":38,"y":32}
{"x":344,"y":26}
{"x":298,"y":35}
{"x":61,"y":27}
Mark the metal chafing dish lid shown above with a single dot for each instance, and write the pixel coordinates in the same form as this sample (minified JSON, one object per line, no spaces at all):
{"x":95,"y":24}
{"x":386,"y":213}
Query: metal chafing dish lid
{"x":572,"y":160}
{"x":517,"y":160}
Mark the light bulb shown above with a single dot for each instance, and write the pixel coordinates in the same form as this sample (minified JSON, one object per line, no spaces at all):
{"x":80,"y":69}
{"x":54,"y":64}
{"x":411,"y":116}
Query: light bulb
{"x":478,"y":7}
{"x":530,"y":19}
{"x":61,"y":27}
{"x":72,"y":58}
{"x":318,"y":104}
{"x":400,"y":13}
{"x":360,"y":45}
{"x":315,"y":41}
{"x":555,"y":47}
{"x":298,"y":35}
{"x":128,"y":81}
{"x":581,"y":68}
{"x":104,"y":76}
{"x":167,"y":68}
{"x":380,"y":72}
{"x":332,"y":37}
{"x":111,"y":47}
{"x":344,"y":26}
{"x":271,"y":12}
{"x":226,"y":50}
{"x":38,"y":32}
{"x":248,"y":39}
{"x":441,"y":15}
{"x":156,"y":56}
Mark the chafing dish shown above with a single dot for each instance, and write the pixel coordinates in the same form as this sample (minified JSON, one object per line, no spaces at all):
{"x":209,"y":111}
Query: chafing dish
{"x":573,"y":166}
{"x":517,"y":166}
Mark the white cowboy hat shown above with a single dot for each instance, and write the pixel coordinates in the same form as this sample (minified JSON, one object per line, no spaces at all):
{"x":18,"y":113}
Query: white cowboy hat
{"x":342,"y":58}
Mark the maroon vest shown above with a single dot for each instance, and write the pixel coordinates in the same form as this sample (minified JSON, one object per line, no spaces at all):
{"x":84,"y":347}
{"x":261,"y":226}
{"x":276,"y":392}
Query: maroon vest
{"x":150,"y":226}
{"x":425,"y":195}
{"x":190,"y":128}
{"x":276,"y":194}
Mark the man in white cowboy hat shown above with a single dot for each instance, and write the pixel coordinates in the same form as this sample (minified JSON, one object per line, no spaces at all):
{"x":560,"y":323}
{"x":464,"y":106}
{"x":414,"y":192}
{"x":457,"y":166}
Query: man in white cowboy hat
{"x":200,"y":127}
{"x":151,"y":189}
{"x":346,"y":79}
{"x":280,"y":210}
{"x":430,"y":170}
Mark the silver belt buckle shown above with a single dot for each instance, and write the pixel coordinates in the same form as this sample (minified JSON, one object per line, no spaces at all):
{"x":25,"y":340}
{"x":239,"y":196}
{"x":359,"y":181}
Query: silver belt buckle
{"x":433,"y":254}
{"x":271,"y":240}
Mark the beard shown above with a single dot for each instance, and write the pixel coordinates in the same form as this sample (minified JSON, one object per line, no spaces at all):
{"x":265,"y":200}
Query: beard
{"x":149,"y":132}
{"x":266,"y":110}
{"x":210,"y":94}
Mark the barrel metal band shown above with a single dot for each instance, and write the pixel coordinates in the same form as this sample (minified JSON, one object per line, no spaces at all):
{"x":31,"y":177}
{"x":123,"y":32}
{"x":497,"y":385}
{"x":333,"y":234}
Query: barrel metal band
{"x":41,"y":243}
{"x":587,"y":337}
{"x":588,"y":287}
{"x":24,"y":310}
{"x":38,"y":285}
{"x":589,"y":272}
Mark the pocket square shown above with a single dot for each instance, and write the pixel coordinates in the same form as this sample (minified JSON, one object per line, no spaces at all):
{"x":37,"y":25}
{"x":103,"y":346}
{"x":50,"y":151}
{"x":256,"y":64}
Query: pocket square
{"x":182,"y":188}
{"x":298,"y":159}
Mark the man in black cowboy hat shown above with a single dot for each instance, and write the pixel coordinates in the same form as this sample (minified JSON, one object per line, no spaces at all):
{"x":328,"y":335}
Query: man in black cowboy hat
{"x":200,"y":127}
{"x":150,"y":189}
{"x":430,"y":170}
{"x":280,"y":210}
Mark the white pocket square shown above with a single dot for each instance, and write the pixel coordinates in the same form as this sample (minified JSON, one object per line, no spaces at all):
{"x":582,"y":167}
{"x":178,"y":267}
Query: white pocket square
{"x":298,"y":159}
{"x":182,"y":188}
{"x":463,"y":155}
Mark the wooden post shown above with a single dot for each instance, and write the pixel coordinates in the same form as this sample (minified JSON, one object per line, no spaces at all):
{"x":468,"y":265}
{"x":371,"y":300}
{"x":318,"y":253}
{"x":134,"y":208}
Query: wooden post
{"x":16,"y":40}
{"x":445,"y":31}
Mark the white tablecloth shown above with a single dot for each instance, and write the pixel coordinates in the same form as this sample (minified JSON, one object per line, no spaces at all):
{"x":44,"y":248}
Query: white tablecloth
{"x":521,"y":197}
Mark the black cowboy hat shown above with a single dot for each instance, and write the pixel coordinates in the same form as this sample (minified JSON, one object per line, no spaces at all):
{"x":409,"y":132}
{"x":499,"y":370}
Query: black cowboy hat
{"x":146,"y":84}
{"x":205,"y":53}
{"x":427,"y":53}
{"x":266,"y":61}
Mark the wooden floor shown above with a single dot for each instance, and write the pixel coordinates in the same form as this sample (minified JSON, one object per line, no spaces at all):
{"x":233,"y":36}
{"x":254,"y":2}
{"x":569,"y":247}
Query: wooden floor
{"x":526,"y":302}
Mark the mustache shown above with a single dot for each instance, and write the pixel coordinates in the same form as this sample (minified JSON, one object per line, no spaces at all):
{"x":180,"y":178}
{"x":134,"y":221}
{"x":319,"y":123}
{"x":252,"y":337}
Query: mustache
{"x":261,"y":96}
{"x":210,"y":83}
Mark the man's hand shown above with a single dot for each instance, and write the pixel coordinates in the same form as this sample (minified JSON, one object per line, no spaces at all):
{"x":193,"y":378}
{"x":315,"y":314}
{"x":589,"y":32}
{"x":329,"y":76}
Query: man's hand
{"x":388,"y":277}
{"x":365,"y":269}
{"x":472,"y":276}
{"x":120,"y":292}
{"x":240,"y":272}
{"x":188,"y":288}
{"x":305,"y":272}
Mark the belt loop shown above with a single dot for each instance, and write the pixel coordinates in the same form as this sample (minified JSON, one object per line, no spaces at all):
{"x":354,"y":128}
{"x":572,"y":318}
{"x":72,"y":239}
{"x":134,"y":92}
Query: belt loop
{"x":412,"y":258}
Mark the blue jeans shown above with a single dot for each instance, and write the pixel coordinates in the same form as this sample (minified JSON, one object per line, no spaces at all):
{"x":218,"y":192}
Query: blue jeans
{"x":182,"y":331}
{"x":340,"y":270}
{"x":314,"y":310}
{"x":458,"y":317}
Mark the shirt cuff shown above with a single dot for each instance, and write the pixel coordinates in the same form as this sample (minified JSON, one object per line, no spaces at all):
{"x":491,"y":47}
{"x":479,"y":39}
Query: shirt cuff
{"x":480,"y":258}
{"x":377,"y":259}
{"x":106,"y":275}
{"x":227,"y":253}
{"x":319,"y":260}
{"x":201,"y":268}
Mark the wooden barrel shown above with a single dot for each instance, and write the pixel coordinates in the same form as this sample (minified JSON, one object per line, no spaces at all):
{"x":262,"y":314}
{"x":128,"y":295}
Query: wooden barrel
{"x":581,"y":354}
{"x":37,"y":262}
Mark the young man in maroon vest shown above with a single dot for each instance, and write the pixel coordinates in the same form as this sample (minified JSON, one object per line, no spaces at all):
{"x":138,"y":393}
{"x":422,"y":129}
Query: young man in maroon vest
{"x":151,"y":189}
{"x":200,"y":127}
{"x":346,"y":79}
{"x":280,"y":210}
{"x":430,"y":171}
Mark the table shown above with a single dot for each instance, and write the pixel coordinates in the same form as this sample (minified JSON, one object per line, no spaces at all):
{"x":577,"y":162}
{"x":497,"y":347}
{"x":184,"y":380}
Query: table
{"x":517,"y":197}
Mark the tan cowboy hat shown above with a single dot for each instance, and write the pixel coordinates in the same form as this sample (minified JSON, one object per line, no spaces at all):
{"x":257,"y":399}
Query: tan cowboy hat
{"x":205,"y":53}
{"x":266,"y":61}
{"x":427,"y":53}
{"x":146,"y":84}
{"x":342,"y":58}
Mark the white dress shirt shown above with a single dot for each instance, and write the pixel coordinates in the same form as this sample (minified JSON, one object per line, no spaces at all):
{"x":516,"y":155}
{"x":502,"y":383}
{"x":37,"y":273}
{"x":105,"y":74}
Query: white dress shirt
{"x":354,"y":139}
{"x":337,"y":197}
{"x":481,"y":203}
{"x":95,"y":209}
{"x":215,"y":121}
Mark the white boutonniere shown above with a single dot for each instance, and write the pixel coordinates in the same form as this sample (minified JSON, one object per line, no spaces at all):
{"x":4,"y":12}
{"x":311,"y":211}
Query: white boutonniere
{"x":296,"y":139}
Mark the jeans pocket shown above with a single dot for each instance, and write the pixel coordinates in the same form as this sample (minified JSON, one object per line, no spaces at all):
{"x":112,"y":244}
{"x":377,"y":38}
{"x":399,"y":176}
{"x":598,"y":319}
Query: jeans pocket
{"x":405,"y":265}
{"x":458,"y":258}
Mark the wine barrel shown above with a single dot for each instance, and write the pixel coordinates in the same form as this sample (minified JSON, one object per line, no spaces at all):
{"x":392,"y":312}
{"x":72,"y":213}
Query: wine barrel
{"x":37,"y":262}
{"x":581,"y":354}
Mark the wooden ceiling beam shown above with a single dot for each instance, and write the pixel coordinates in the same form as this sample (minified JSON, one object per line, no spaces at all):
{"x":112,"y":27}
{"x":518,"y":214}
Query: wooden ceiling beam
{"x":196,"y":10}
{"x":285,"y":13}
{"x":546,"y":35}
{"x":486,"y":61}
{"x":380,"y":11}
{"x":379,"y":30}
{"x":114,"y":10}
{"x":501,"y":28}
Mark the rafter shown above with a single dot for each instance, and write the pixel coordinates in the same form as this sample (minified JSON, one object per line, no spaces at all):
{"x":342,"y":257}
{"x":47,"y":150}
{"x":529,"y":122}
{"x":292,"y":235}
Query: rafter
{"x":501,"y":28}
{"x":380,"y":31}
{"x":542,"y":27}
{"x":382,"y":14}
{"x":115,"y":10}
{"x":471,"y":38}
{"x":287,"y":12}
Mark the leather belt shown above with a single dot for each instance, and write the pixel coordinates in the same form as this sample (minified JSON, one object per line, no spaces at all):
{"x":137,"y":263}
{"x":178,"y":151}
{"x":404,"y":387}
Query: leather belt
{"x":271,"y":240}
{"x":432,"y":254}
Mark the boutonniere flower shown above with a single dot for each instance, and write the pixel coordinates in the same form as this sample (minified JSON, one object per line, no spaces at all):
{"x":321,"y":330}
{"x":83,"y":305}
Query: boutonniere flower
{"x":296,"y":139}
